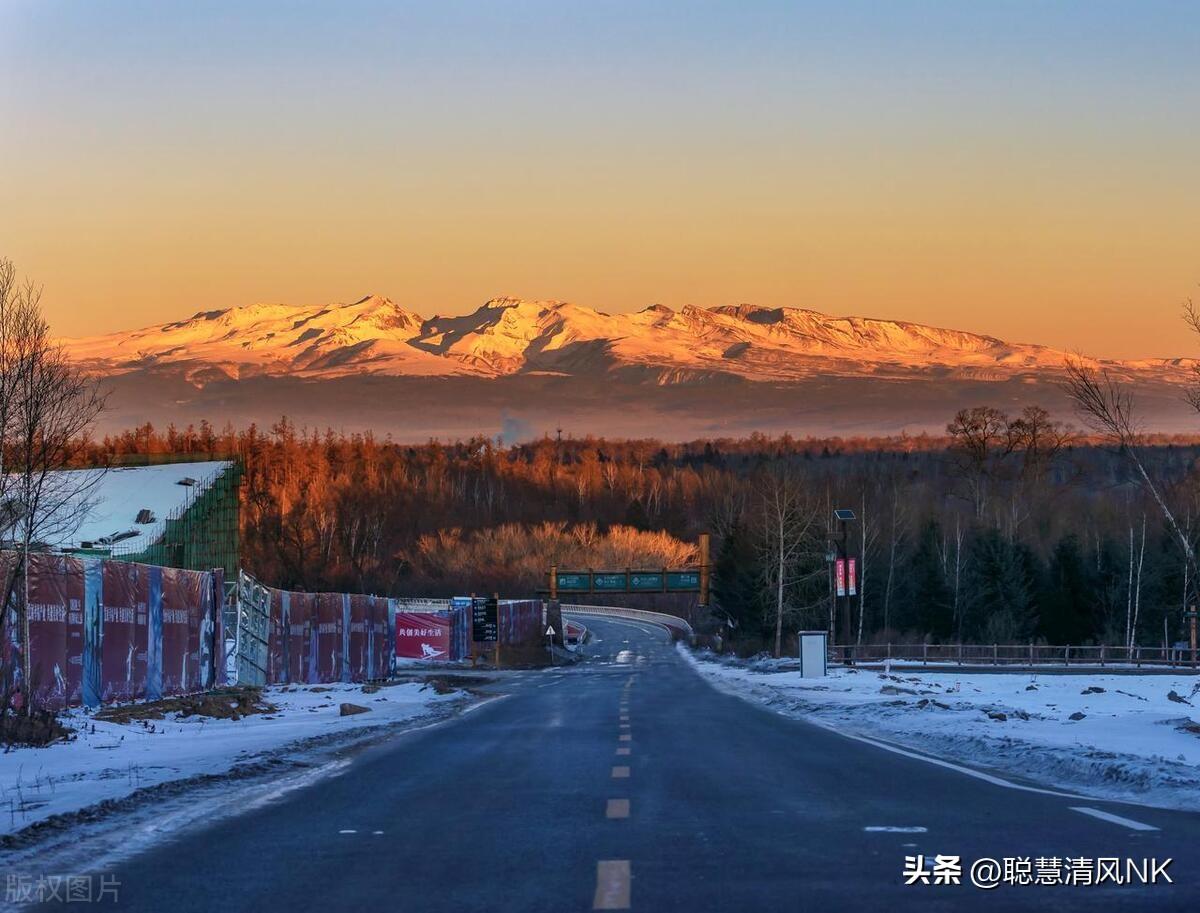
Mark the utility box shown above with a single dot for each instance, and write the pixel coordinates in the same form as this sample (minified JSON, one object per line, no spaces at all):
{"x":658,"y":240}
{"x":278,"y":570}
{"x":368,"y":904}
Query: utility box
{"x":814,"y":651}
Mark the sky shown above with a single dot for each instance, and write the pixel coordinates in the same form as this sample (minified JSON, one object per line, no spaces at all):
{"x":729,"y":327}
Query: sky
{"x":1026,"y":169}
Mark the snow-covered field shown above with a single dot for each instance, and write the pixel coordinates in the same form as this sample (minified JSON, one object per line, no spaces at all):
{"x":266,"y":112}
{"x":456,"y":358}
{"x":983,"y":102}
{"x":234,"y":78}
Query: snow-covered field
{"x":111,"y":760}
{"x":1111,"y":736}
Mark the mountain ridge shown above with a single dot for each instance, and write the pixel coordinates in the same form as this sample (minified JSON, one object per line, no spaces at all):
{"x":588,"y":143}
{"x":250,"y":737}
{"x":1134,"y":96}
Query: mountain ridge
{"x":509,"y":336}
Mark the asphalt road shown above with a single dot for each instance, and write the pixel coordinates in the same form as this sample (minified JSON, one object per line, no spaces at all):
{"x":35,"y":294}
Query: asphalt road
{"x":629,"y":782}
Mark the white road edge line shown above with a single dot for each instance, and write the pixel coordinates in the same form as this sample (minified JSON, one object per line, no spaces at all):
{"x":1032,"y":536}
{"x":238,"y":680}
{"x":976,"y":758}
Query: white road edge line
{"x":895,"y":749}
{"x":949,"y":765}
{"x":1113,"y":819}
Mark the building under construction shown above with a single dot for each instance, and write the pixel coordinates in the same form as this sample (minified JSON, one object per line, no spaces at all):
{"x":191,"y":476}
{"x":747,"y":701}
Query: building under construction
{"x":181,"y":515}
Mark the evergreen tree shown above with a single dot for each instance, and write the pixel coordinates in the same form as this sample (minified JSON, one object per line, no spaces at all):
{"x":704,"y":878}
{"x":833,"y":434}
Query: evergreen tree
{"x":928,"y":608}
{"x":1001,"y":583}
{"x":1069,"y":614}
{"x":736,"y":580}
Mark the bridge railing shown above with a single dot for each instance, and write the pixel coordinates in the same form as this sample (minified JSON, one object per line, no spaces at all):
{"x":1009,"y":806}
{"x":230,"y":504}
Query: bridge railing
{"x":678,"y":627}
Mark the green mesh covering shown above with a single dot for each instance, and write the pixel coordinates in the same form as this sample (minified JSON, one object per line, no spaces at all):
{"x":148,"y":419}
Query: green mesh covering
{"x":204,"y":532}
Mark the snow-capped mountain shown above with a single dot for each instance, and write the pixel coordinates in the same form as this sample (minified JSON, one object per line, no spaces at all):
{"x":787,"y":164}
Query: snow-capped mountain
{"x":508,"y":336}
{"x":519,"y":368}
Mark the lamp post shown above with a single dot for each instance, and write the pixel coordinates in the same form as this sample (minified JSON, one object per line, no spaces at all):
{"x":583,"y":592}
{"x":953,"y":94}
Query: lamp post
{"x":1190,"y":615}
{"x":843,"y":516}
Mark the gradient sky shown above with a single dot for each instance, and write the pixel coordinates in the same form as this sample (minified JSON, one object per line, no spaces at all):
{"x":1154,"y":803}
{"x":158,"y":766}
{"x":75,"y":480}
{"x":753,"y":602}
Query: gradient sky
{"x":1023,"y":169}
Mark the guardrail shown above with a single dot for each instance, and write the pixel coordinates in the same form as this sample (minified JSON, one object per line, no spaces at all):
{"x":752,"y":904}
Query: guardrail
{"x":1014,"y":655}
{"x":678,"y":627}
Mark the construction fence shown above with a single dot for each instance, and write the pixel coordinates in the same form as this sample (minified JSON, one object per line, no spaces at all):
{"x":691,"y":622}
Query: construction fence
{"x":289,"y":637}
{"x":103,"y":630}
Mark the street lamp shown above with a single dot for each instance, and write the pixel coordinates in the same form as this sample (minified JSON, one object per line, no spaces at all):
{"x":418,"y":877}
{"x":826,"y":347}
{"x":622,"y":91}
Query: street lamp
{"x":843,"y":515}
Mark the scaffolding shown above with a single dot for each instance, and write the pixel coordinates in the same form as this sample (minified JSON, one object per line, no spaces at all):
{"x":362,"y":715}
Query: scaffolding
{"x":202,"y":533}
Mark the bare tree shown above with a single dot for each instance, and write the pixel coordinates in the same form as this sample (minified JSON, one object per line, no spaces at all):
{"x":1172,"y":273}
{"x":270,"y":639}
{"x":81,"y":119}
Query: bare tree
{"x":47,"y":407}
{"x":1108,"y":408}
{"x":898,"y":528}
{"x":979,"y":436}
{"x":868,"y":532}
{"x":787,"y":518}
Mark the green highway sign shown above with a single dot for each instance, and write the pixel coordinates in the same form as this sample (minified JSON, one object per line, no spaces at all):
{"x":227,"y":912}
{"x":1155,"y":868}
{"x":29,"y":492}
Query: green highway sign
{"x":687,"y":581}
{"x":683,"y":580}
{"x":641,"y":580}
{"x":608,"y":580}
{"x":574,"y":581}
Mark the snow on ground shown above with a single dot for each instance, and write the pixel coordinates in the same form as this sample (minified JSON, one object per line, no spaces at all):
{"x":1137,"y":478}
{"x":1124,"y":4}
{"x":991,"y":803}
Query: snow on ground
{"x":118,"y":759}
{"x":1128,"y":740}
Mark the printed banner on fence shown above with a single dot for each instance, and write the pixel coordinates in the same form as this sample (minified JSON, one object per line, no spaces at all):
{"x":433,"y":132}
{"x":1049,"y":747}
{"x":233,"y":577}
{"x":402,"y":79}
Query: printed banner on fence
{"x":423,"y":635}
{"x":55,"y":630}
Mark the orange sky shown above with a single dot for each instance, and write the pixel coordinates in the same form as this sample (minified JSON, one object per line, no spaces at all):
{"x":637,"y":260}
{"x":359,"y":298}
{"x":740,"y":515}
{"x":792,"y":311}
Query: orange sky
{"x":1033,"y":177}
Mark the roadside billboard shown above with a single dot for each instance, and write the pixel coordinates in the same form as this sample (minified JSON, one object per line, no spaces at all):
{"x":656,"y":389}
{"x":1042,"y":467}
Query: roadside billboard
{"x":423,"y":635}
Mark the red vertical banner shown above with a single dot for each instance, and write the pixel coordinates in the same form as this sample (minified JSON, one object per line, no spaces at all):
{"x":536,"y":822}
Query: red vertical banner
{"x":176,"y":631}
{"x":359,"y":620}
{"x":125,"y":631}
{"x":55,"y":632}
{"x":839,"y":576}
{"x":191,"y":585}
{"x":299,"y":619}
{"x":329,"y":637}
{"x":276,"y":634}
{"x":852,"y":575}
{"x":381,"y":649}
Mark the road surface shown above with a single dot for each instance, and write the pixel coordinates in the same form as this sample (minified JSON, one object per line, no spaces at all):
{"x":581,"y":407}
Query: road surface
{"x":628,"y":782}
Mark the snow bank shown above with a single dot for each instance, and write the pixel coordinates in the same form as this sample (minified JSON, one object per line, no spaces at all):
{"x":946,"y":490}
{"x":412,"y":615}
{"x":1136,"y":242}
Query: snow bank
{"x":116,"y":759}
{"x":1110,"y":736}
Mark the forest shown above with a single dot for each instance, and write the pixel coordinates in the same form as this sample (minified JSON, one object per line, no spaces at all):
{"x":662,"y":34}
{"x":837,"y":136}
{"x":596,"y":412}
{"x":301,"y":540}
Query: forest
{"x":1006,"y":529}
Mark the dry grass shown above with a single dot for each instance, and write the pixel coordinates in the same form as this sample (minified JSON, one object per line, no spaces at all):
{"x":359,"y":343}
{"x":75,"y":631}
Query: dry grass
{"x":223,"y":704}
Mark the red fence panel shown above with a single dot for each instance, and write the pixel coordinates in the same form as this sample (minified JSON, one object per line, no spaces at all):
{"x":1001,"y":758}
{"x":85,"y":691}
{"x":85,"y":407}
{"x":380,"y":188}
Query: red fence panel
{"x":192,"y":586}
{"x":176,"y":631}
{"x":360,"y":621}
{"x":277,"y":639}
{"x":55,"y":630}
{"x":125,"y":632}
{"x":300,"y":636}
{"x":329,"y":637}
{"x":381,"y":647}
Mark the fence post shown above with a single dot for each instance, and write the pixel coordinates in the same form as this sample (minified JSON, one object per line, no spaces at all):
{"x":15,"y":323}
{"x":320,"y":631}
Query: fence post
{"x":1067,"y":655}
{"x":1137,"y":657}
{"x":925,"y":653}
{"x":1102,"y":646}
{"x":1031,"y":661}
{"x":960,"y":652}
{"x":995,"y":654}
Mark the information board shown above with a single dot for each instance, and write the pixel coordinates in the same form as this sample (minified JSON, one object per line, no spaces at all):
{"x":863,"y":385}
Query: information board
{"x":485,"y":627}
